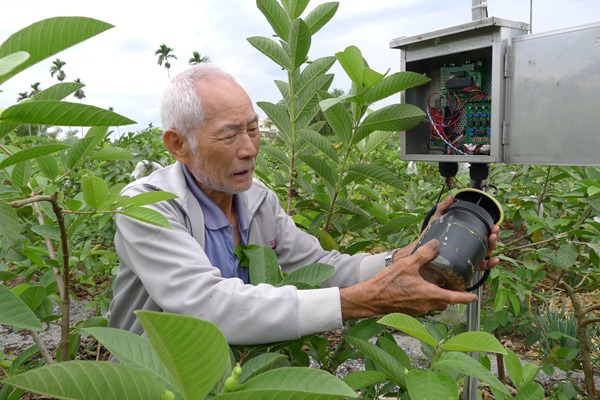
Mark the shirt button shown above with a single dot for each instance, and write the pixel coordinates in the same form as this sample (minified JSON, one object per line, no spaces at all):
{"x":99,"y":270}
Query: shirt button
{"x":229,"y":229}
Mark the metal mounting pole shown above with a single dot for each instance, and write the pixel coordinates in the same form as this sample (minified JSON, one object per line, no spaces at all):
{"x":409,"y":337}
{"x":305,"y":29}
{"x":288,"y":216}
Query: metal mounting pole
{"x":478,"y":10}
{"x":479,"y":173}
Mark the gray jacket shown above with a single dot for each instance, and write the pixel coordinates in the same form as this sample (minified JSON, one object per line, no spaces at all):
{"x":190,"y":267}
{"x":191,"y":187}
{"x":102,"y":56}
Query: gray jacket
{"x":167,"y":269}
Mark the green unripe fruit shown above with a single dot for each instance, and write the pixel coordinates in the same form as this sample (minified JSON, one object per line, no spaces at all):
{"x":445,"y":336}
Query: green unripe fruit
{"x":237,"y":370}
{"x":167,"y":395}
{"x":230,"y":384}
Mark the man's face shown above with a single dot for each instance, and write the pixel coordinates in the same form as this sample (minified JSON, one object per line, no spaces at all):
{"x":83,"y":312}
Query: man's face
{"x":224,"y":156}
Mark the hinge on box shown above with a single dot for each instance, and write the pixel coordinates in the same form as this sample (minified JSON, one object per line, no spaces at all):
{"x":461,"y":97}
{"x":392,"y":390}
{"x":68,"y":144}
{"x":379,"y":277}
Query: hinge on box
{"x":504,"y":132}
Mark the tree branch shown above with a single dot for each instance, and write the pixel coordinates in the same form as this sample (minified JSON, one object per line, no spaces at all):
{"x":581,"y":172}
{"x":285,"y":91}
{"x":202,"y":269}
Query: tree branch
{"x":65,"y":303}
{"x":41,"y":347}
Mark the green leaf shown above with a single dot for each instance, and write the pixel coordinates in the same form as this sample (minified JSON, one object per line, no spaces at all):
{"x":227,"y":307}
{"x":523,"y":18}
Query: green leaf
{"x":339,"y":119}
{"x":294,"y":384}
{"x":530,"y":372}
{"x":271,"y":49}
{"x":513,"y":367}
{"x":112,"y":153}
{"x":299,"y":42}
{"x":319,"y":142}
{"x":12,"y":61}
{"x":567,"y":255}
{"x":320,"y":166}
{"x":21,"y":174}
{"x":320,"y":16}
{"x":10,"y":228}
{"x":514,"y":302}
{"x":88,"y":380}
{"x":409,"y":325}
{"x":83,"y":147}
{"x":95,"y":192}
{"x":307,"y":102}
{"x":6,"y":127}
{"x":31,"y":153}
{"x":473,"y":342}
{"x":194,"y":365}
{"x":45,"y":38}
{"x":276,"y":16}
{"x":500,"y":299}
{"x":398,"y":224}
{"x":395,"y":117}
{"x":263,"y":265}
{"x":312,"y":274}
{"x":424,"y":384}
{"x":327,"y":103}
{"x":55,"y":112}
{"x":259,"y":364}
{"x":327,"y":241}
{"x":14,"y":312}
{"x":391,"y":347}
{"x":131,"y":350}
{"x":349,"y":207}
{"x":58,"y":91}
{"x":364,"y":379}
{"x":33,"y":296}
{"x":146,"y":198}
{"x":295,"y":8}
{"x":280,"y":157}
{"x":462,"y":363}
{"x":531,"y":391}
{"x":277,"y":115}
{"x":592,"y":190}
{"x":365,"y":329}
{"x":391,"y":366}
{"x":48,"y":166}
{"x":47,"y":231}
{"x":314,"y":70}
{"x":371,"y":77}
{"x":357,"y":173}
{"x":393,"y":84}
{"x":147,"y":215}
{"x":353,"y":63}
{"x":376,"y":140}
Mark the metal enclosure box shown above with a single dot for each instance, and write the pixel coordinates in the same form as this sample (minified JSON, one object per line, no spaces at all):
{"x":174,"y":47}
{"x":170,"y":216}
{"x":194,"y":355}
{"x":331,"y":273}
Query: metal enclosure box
{"x":542,"y":93}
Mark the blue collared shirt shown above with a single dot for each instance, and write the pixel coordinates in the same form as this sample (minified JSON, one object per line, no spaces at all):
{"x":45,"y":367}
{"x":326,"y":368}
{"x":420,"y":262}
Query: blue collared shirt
{"x":219,"y":233}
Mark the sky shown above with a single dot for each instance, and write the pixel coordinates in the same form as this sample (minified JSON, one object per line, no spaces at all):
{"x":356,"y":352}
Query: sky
{"x":121,"y":71}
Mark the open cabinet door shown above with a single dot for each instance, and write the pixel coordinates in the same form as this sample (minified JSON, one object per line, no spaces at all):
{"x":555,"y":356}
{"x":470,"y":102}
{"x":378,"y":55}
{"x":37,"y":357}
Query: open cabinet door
{"x":553,"y":98}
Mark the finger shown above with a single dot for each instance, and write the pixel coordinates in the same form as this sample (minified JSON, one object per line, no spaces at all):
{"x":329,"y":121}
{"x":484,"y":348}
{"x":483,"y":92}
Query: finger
{"x":426,"y":253}
{"x":459,"y":297}
{"x":492,"y":242}
{"x":443,"y":206}
{"x":489,"y":263}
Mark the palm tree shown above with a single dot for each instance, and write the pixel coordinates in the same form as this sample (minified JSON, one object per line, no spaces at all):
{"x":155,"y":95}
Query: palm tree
{"x":79,"y":93}
{"x":56,"y":68}
{"x":35,"y":89}
{"x":197,"y":58}
{"x":164,"y":52}
{"x":22,"y":96}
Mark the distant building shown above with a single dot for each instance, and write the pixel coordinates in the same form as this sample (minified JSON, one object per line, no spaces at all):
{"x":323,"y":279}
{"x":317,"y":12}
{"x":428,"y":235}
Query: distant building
{"x":267,"y":129}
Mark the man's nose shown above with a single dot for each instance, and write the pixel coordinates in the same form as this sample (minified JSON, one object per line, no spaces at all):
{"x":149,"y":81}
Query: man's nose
{"x":248,"y":146}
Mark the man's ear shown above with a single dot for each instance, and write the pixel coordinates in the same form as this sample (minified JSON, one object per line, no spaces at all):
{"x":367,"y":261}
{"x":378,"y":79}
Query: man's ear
{"x":177,"y":145}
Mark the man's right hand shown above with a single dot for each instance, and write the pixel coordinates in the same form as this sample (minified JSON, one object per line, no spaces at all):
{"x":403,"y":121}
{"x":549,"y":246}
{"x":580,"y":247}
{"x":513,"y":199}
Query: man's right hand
{"x":400,"y":288}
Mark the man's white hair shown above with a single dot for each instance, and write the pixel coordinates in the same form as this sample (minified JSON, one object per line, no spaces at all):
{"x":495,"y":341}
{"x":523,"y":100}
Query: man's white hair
{"x":181,"y":106}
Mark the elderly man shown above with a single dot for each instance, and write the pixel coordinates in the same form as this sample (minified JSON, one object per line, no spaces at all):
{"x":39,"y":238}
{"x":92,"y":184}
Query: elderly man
{"x":211,"y":129}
